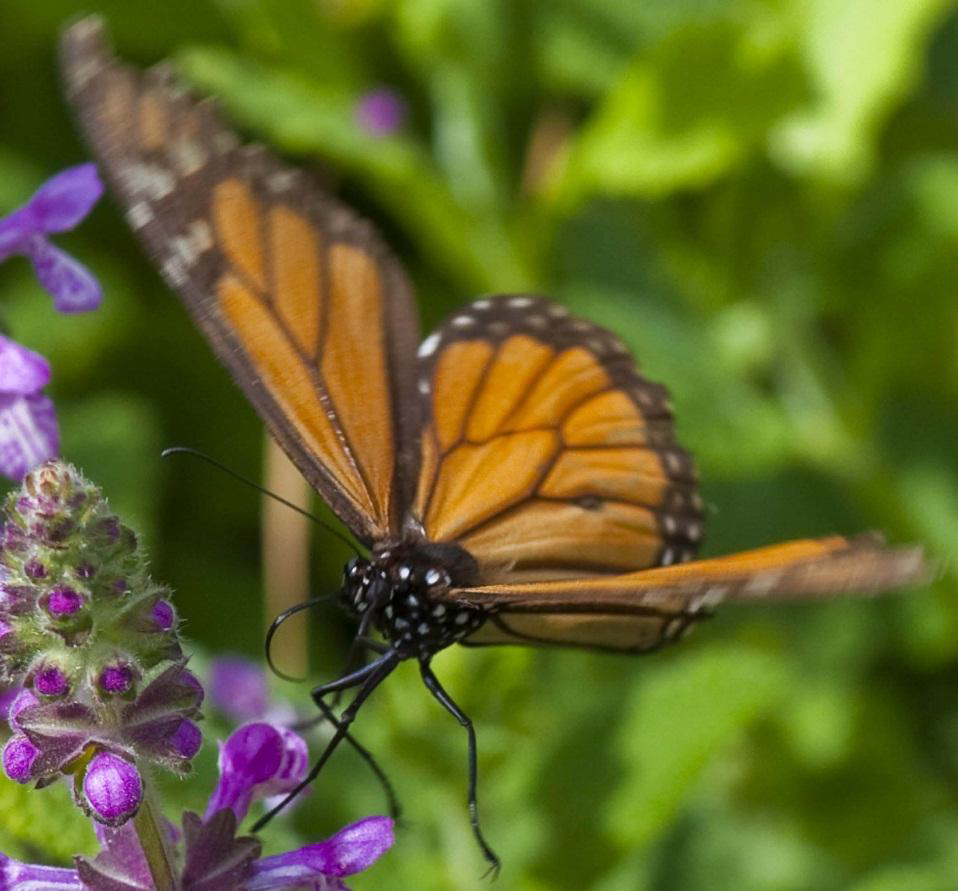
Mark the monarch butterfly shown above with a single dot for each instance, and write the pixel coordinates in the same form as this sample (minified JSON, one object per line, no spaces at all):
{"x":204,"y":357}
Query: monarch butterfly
{"x":515,"y":478}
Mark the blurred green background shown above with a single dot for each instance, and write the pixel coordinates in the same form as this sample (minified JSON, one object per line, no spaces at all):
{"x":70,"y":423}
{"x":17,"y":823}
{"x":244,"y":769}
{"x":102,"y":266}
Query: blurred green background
{"x":761,"y":198}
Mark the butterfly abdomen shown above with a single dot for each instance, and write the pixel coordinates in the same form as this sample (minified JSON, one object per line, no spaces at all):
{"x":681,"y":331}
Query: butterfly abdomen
{"x":401,"y":584}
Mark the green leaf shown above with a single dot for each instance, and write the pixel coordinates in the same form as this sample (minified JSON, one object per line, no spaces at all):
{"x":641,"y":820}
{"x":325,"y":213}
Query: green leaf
{"x":863,"y":59}
{"x":44,"y":820}
{"x":685,"y":113}
{"x":682,"y":716}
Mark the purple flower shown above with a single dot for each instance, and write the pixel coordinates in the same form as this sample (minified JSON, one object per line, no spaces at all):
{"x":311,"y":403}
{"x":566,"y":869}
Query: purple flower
{"x":28,"y":427}
{"x":380,"y":112}
{"x":58,"y":205}
{"x":16,"y":876}
{"x":112,"y":788}
{"x":255,"y":760}
{"x":238,"y":688}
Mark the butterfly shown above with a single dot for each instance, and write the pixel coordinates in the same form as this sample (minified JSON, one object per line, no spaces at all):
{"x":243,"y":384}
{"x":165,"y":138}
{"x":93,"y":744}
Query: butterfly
{"x":514,"y":476}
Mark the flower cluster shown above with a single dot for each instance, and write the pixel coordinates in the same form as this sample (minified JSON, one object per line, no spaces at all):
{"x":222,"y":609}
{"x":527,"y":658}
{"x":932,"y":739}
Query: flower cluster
{"x":206,"y":855}
{"x":93,"y":641}
{"x":28,"y":427}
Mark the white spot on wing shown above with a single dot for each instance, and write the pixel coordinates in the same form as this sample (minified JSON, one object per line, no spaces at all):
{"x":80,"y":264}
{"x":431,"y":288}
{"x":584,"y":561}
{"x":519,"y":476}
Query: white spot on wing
{"x":197,"y":240}
{"x":281,"y":180}
{"x":762,"y":584}
{"x":188,"y":156}
{"x":139,"y":214}
{"x":225,"y":142}
{"x":428,"y":346}
{"x":174,"y":270}
{"x":149,"y":180}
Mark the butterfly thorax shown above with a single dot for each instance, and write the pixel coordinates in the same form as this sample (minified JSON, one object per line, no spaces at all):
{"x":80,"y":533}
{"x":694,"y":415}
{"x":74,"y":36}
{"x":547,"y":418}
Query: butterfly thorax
{"x":402,"y":586}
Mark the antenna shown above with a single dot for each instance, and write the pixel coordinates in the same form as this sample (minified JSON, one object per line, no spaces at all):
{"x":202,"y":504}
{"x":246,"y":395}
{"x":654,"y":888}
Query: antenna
{"x":278,"y":621}
{"x":196,"y":453}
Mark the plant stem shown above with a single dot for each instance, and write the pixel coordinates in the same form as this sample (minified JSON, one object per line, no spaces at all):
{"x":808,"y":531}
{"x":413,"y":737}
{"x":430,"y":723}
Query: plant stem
{"x":148,"y":823}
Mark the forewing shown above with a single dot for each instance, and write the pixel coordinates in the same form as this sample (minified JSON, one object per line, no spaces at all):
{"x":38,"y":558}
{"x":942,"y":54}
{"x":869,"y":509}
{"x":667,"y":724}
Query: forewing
{"x":640,"y":611}
{"x":298,"y":297}
{"x":545,"y":453}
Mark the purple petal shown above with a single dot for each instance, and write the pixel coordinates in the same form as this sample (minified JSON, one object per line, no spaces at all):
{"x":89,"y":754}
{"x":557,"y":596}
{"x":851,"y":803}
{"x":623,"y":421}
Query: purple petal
{"x":19,"y":754}
{"x":28,"y":433}
{"x":257,"y":760}
{"x":238,"y":688}
{"x":15,"y":876}
{"x":22,"y":699}
{"x":16,"y":229}
{"x":120,"y":865}
{"x":163,"y":615}
{"x":350,"y":850}
{"x":66,"y":198}
{"x":50,"y":680}
{"x":72,"y":285}
{"x":22,"y":371}
{"x":112,"y":788}
{"x":186,"y":740}
{"x":10,"y":695}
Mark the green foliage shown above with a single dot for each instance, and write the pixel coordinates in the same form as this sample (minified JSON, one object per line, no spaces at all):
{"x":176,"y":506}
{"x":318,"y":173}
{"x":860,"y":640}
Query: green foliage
{"x":759,"y":197}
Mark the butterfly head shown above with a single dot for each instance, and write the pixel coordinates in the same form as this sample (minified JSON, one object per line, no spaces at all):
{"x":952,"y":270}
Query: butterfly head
{"x":402,"y":585}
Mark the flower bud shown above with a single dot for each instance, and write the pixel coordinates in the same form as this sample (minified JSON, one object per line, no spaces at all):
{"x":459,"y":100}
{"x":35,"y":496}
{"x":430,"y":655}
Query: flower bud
{"x":18,"y":757}
{"x":51,"y":681}
{"x":186,"y":740}
{"x":163,"y":615}
{"x":34,"y":569}
{"x":63,"y":601}
{"x":116,"y":679}
{"x":112,"y":789}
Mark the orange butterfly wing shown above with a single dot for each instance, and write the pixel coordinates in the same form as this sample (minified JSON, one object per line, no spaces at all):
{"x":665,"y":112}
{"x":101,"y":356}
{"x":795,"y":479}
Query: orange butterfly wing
{"x":298,"y":297}
{"x":640,"y":611}
{"x":545,"y":453}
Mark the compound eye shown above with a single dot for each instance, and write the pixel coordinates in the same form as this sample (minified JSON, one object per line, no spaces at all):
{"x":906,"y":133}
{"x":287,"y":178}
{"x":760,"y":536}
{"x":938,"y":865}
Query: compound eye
{"x":353,"y":568}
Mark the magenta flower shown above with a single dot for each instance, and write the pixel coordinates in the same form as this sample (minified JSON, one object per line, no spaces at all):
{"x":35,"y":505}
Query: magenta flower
{"x":57,"y":206}
{"x":257,"y":760}
{"x":240,"y":690}
{"x":28,"y":427}
{"x":381,"y":112}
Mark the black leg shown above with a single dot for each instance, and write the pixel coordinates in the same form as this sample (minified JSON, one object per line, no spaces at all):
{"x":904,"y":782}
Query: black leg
{"x":395,"y":810}
{"x":327,"y":713}
{"x":434,"y":687}
{"x":370,"y":677}
{"x":353,"y":679}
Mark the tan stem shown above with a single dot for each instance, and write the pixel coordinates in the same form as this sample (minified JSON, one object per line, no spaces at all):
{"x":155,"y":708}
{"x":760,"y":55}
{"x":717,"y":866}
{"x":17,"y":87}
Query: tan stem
{"x":285,"y":537}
